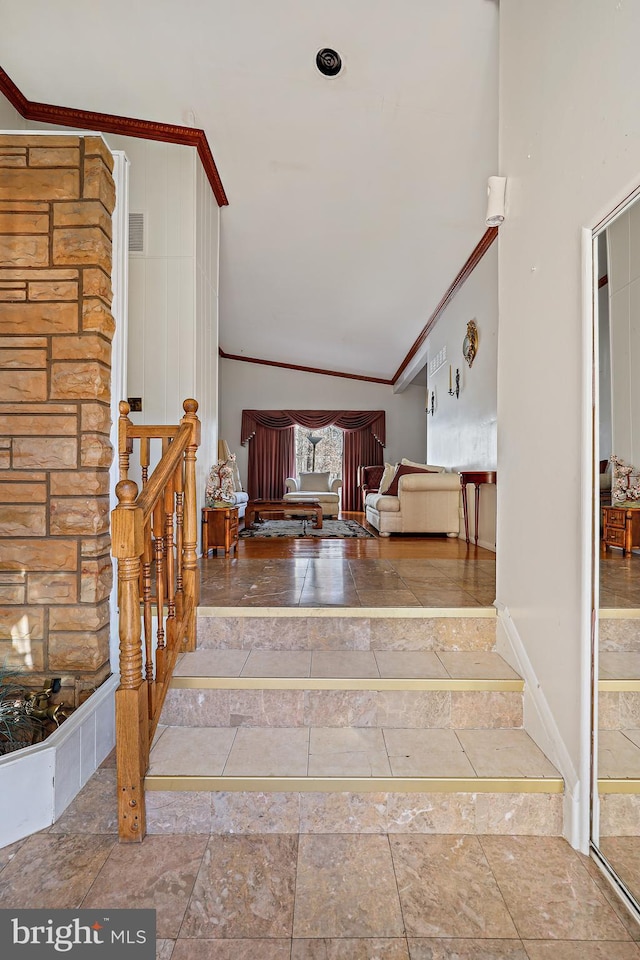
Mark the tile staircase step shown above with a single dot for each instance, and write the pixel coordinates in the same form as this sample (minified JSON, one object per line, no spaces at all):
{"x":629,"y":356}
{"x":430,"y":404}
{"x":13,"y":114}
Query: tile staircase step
{"x":348,"y":780}
{"x":347,"y":753}
{"x":355,"y":688}
{"x":286,"y":810}
{"x":472,"y":670}
{"x":314,"y":720}
{"x":331,"y":628}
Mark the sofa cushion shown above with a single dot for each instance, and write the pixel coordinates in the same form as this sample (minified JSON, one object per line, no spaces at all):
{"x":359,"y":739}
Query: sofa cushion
{"x":382,"y":503}
{"x":313,"y":482}
{"x":402,"y":471}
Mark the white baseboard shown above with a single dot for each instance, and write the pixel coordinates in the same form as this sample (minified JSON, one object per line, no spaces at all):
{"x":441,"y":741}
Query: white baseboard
{"x":38,"y":783}
{"x":481,"y":543}
{"x":540,"y":723}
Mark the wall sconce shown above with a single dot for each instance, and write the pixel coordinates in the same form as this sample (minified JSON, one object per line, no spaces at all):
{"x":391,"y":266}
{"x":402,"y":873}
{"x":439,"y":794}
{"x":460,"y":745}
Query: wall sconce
{"x":454,"y":393}
{"x":496,"y":189}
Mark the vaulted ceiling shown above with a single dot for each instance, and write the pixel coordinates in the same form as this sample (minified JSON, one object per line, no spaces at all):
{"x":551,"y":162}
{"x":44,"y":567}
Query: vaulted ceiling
{"x":354,"y":200}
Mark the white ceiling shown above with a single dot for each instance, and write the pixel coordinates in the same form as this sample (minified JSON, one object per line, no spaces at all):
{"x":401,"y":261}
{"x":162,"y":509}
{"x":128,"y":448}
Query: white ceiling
{"x":354,"y":200}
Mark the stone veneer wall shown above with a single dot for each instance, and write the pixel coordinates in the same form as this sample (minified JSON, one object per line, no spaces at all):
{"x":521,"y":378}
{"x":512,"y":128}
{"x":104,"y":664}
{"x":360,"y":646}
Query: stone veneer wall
{"x":56,"y":199}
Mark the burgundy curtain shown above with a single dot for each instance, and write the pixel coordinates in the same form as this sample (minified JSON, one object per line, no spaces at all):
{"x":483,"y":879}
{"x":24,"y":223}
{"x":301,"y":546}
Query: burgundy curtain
{"x":272,"y":458}
{"x":360,"y":448}
{"x":270,"y":463}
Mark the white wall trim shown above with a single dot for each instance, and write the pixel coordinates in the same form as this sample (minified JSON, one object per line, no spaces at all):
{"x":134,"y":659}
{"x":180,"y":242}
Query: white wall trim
{"x":541,"y":726}
{"x":589,"y":517}
{"x":38,"y":783}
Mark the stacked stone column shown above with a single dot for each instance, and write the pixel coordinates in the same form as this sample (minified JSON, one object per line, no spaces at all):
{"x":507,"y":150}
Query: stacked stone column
{"x":56,"y":199}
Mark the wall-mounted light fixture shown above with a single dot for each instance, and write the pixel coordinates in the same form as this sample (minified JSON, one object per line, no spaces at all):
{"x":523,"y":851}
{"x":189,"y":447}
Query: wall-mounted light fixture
{"x":454,"y":393}
{"x":496,"y":190}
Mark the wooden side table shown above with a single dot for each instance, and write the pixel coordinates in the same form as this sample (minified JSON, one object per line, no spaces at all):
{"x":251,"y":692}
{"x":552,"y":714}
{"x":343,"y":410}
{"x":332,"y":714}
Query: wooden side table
{"x":477,"y":478}
{"x":621,"y":528}
{"x":219,"y":529}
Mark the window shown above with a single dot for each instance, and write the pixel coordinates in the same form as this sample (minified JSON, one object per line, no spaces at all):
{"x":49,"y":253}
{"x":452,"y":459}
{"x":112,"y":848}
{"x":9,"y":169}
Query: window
{"x":327,"y":455}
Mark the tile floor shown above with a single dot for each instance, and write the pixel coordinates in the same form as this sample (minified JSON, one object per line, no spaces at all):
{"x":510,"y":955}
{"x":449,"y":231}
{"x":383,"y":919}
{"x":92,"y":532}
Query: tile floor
{"x":619,"y":579}
{"x":346,"y":582}
{"x":327,"y":896}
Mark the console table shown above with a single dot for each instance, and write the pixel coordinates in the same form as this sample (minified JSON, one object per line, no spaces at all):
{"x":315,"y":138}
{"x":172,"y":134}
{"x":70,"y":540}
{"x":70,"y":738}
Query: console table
{"x":477,"y":478}
{"x":219,"y":529}
{"x":621,"y":528}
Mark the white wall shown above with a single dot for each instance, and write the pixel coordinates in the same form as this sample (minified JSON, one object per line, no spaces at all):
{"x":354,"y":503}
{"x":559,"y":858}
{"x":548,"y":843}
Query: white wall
{"x":570,"y":146}
{"x":624,"y":307}
{"x":254,"y":386}
{"x":161,"y":360}
{"x":462,"y":434}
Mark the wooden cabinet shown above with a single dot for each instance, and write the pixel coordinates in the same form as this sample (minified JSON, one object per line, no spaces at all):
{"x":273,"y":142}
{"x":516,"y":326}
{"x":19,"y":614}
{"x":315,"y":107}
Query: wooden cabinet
{"x":621,"y":528}
{"x":219,"y":529}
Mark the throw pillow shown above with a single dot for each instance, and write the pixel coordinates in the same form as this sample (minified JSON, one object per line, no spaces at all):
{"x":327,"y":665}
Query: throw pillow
{"x":402,"y":471}
{"x":425,"y":466}
{"x":314,"y":482}
{"x":387,"y":476}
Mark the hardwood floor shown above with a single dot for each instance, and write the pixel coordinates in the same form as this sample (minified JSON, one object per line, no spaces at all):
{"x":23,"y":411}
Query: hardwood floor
{"x":397,"y":571}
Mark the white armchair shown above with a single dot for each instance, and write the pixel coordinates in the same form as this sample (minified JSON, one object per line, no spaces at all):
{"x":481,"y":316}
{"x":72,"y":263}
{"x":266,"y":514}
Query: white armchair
{"x":315,"y":486}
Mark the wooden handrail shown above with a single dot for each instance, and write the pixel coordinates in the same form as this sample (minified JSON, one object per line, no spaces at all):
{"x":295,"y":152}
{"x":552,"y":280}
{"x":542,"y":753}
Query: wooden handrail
{"x":154,"y":539}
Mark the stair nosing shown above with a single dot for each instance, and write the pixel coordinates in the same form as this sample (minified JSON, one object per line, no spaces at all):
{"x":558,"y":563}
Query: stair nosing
{"x":283,"y":784}
{"x":388,"y":613}
{"x":618,"y":785}
{"x":348,"y":683}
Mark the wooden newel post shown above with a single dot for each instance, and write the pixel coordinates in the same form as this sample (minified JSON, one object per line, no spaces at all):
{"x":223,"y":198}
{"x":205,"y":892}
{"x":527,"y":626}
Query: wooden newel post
{"x":191,"y":580}
{"x":132,"y":708}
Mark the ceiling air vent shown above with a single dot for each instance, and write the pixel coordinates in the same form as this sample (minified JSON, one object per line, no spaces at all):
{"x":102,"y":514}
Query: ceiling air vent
{"x":136,"y":233}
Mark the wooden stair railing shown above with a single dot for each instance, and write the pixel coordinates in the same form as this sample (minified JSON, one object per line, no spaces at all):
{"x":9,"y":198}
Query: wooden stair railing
{"x":154,"y":539}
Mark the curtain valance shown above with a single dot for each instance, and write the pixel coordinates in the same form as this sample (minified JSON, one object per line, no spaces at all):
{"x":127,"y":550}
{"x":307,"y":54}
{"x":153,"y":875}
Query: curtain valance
{"x":348,"y":420}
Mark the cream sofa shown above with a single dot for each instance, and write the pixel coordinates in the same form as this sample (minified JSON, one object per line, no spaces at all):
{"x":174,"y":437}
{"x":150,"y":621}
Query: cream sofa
{"x":426,"y":503}
{"x":315,"y":486}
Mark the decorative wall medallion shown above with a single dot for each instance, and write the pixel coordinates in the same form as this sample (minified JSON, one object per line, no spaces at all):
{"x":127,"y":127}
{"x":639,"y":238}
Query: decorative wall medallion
{"x":328,"y":62}
{"x":470,"y":342}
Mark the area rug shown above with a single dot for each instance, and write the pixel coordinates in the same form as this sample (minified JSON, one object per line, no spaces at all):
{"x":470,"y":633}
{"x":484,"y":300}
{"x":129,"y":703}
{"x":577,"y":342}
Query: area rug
{"x":331,"y":529}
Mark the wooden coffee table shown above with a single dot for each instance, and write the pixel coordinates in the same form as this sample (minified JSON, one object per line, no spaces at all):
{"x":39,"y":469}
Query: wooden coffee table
{"x":255,"y":509}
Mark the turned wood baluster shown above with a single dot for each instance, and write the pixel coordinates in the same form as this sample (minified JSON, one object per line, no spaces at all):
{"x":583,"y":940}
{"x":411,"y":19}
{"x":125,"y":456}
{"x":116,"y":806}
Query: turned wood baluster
{"x":131,"y":699}
{"x":145,"y":458}
{"x":147,"y":611}
{"x":125,"y":443}
{"x":190,"y":556}
{"x":169,"y":507}
{"x":178,"y":483}
{"x":158,"y":533}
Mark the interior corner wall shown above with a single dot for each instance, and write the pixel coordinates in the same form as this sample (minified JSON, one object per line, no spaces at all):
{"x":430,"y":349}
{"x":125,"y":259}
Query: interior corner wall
{"x":462,"y":434}
{"x":570,"y":148}
{"x":256,"y":386}
{"x":206,"y":332}
{"x":162,"y":345}
{"x":10,"y":119}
